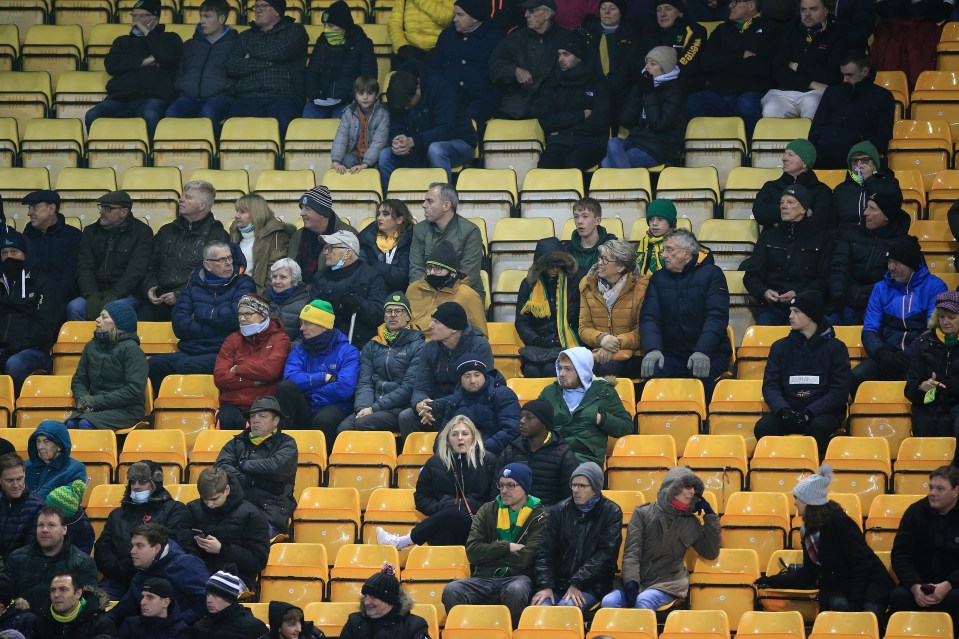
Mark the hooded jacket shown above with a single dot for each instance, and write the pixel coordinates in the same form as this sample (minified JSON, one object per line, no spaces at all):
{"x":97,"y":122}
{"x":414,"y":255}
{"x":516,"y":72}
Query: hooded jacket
{"x":818,"y":55}
{"x":269,"y":63}
{"x":308,"y":371}
{"x":169,"y":627}
{"x":552,"y":465}
{"x":899,"y":313}
{"x":656,"y":115}
{"x":565,"y":96}
{"x":622,"y":321}
{"x":277,"y":610}
{"x":541,"y":331}
{"x":424,"y":299}
{"x":924,"y":550}
{"x":202,"y":71}
{"x":31,"y":571}
{"x":55,"y":253}
{"x":115,"y":375}
{"x":348,"y":133}
{"x":259,"y":360}
{"x":271,"y":244}
{"x":850,"y":198}
{"x":233,"y":622}
{"x":791,"y":256}
{"x":388,"y":371}
{"x":62,"y":470}
{"x":811,"y":374}
{"x":766,"y":206}
{"x":849,"y":113}
{"x":934,"y":356}
{"x":494,"y":409}
{"x":92,"y":622}
{"x":524,"y":48}
{"x":490,"y":555}
{"x":288,"y":311}
{"x":18,"y":520}
{"x":114,"y":260}
{"x":436,"y":376}
{"x":728,"y":72}
{"x":354,"y":289}
{"x":436,"y":487}
{"x":332,"y":69}
{"x":466,"y":239}
{"x":396,"y":274}
{"x":398,"y":623}
{"x":658,"y":535}
{"x":436,"y":117}
{"x":177,"y":249}
{"x":129,"y":79}
{"x":31,"y":306}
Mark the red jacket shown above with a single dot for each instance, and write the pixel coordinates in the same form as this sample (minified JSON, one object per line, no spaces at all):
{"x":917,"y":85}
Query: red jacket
{"x":259,"y":361}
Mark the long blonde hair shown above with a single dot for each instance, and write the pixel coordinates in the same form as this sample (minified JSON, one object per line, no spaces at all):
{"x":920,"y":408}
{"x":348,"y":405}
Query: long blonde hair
{"x":476,"y":453}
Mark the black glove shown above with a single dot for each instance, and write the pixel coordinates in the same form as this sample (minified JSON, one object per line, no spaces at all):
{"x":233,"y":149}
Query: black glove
{"x":348,"y":304}
{"x":630,"y":592}
{"x":703,"y":506}
{"x":791,"y":421}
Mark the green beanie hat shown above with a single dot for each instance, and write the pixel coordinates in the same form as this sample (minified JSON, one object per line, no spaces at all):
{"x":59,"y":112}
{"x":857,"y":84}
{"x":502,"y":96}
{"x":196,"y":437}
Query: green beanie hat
{"x":664,"y":209}
{"x":866,"y":148}
{"x":805,"y":150}
{"x":319,"y":312}
{"x":67,"y":498}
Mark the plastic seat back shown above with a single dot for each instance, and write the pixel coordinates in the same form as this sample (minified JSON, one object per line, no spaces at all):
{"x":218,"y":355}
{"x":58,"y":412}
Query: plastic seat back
{"x":720,"y":461}
{"x":756,"y":520}
{"x":330,"y":516}
{"x":919,"y":625}
{"x":427,"y":571}
{"x":675,"y":407}
{"x":478,"y":622}
{"x":295,"y":573}
{"x":623,"y":623}
{"x":206,"y":449}
{"x":845,"y":625}
{"x":736,"y":406}
{"x":885,"y":513}
{"x":417,"y":449}
{"x":640,"y":462}
{"x":804,"y":603}
{"x":364,"y":460}
{"x":725,"y":583}
{"x":165,"y":447}
{"x":550,"y":622}
{"x":779,"y":463}
{"x":771,"y":625}
{"x":97,"y":449}
{"x":354,"y":564}
{"x":917,"y":457}
{"x":329,"y":616}
{"x":696,"y":624}
{"x":860,"y":465}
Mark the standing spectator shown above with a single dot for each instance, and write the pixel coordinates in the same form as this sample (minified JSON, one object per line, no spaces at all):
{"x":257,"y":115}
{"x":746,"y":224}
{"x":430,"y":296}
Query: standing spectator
{"x":110,"y":381}
{"x":445,"y":282}
{"x":342,"y":53}
{"x":18,"y":506}
{"x":54,"y":244}
{"x":415,"y":25}
{"x":75,"y":608}
{"x":798,"y":161}
{"x":364,"y":129}
{"x":142,"y":68}
{"x":50,"y":464}
{"x":483,"y":396}
{"x":684,"y":35}
{"x":306,"y":245}
{"x":114,"y":258}
{"x":159,"y":616}
{"x":384,"y":610}
{"x":385,"y":243}
{"x":201,"y":80}
{"x":932,"y":380}
{"x":287,"y":295}
{"x":864,"y":176}
{"x":226,"y":616}
{"x":589,"y":234}
{"x":452,"y":486}
{"x":268,"y":66}
{"x":660,"y":220}
{"x":262,"y":237}
{"x":67,"y":498}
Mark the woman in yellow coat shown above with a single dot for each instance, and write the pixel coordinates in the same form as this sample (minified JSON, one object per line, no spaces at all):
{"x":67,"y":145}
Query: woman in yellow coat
{"x":415,"y":25}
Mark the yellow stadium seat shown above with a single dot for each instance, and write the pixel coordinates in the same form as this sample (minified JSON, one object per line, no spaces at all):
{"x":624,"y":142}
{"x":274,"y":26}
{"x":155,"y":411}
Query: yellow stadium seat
{"x":155,"y":190}
{"x":943,"y":193}
{"x":514,"y":242}
{"x":528,"y":388}
{"x":640,"y":462}
{"x":787,"y":601}
{"x":730,"y":241}
{"x":427,"y":571}
{"x":897,"y":84}
{"x":44,"y":397}
{"x":935,"y":238}
{"x":674,"y":407}
{"x":85,"y":13}
{"x":831,"y":177}
{"x":489,"y":194}
{"x":627,"y":500}
{"x":756,"y":520}
{"x":184,"y":493}
{"x":282,"y":191}
{"x":771,"y":625}
{"x":165,"y":447}
{"x":478,"y":622}
{"x":308,"y":144}
{"x":97,"y":449}
{"x":845,"y":625}
{"x":9,"y":141}
{"x":513,"y":144}
{"x":851,"y":336}
{"x":252,"y":144}
{"x":612,"y":225}
{"x":431,"y":614}
{"x":15,"y":183}
{"x":230,"y":186}
{"x":19,"y":438}
{"x":921,"y":145}
{"x":330,"y":516}
{"x":380,"y":35}
{"x":623,"y":194}
{"x":742,"y":305}
{"x":780,"y":462}
{"x":187,"y":403}
{"x":409,"y":185}
{"x":735,"y":407}
{"x":935,"y":96}
{"x":311,"y":459}
{"x":885,"y":513}
{"x":623,"y":623}
{"x":25,"y":95}
{"x":913,"y":187}
{"x":696,"y":624}
{"x":725,"y":583}
{"x":505,"y":292}
{"x":7,"y":401}
{"x":329,"y":616}
{"x":102,"y":500}
{"x":881,"y":410}
{"x":186,"y":143}
{"x":73,"y":337}
{"x":52,"y":143}
{"x":919,"y":625}
{"x":550,"y":622}
{"x":860,"y":466}
{"x":550,"y":192}
{"x":770,"y":138}
{"x":751,"y":356}
{"x":505,"y":342}
{"x":53,"y":48}
{"x":157,"y":337}
{"x":355,"y":195}
{"x":260,"y":610}
{"x":917,"y":457}
{"x":99,"y":40}
{"x":392,"y":509}
{"x":206,"y":448}
{"x":23,"y":14}
{"x":694,"y":191}
{"x":79,"y":191}
{"x":78,"y":91}
{"x":295,"y":573}
{"x":364,"y":460}
{"x":417,"y":448}
{"x":716,"y":142}
{"x":354,"y":564}
{"x":118,"y":143}
{"x":720,"y":461}
{"x":740,"y":191}
{"x":9,"y":46}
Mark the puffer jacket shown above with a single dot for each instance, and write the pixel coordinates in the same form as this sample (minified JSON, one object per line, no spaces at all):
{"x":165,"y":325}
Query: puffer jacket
{"x":924,"y":550}
{"x":436,"y":116}
{"x":463,"y":59}
{"x":622,"y":321}
{"x":30,"y":310}
{"x":552,"y":465}
{"x":17,"y":616}
{"x":424,"y":299}
{"x":466,"y":239}
{"x":529,"y":50}
{"x":91,"y":623}
{"x":541,"y":331}
{"x":259,"y":360}
{"x":54,"y":253}
{"x":436,"y":376}
{"x":177,"y":248}
{"x":398,"y":623}
{"x":271,"y":244}
{"x":436,"y":488}
{"x":129,"y":79}
{"x":766,"y":206}
{"x":388,"y":371}
{"x":269,"y":63}
{"x":333,"y":69}
{"x":859,"y":260}
{"x":494,"y":409}
{"x":658,"y":535}
{"x":579,"y":548}
{"x":308,"y":370}
{"x":62,"y":470}
{"x":354,"y":289}
{"x":811,"y":374}
{"x":266,"y":473}
{"x":114,"y":260}
{"x":791,"y":256}
{"x":396,"y":274}
{"x":897,"y":313}
{"x":818,"y":55}
{"x":418,"y":23}
{"x":288,"y":310}
{"x":490,"y":555}
{"x":233,"y":622}
{"x":115,"y":375}
{"x":31,"y":571}
{"x":932,"y":355}
{"x":240,"y":527}
{"x":202,"y":70}
{"x":169,"y":627}
{"x":80,"y":530}
{"x":656,"y":117}
{"x":18,"y":520}
{"x":348,"y":133}
{"x":565,"y":96}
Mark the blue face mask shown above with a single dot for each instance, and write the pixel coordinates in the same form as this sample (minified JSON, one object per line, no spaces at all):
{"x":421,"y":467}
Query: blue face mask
{"x":337,"y":266}
{"x":140,"y":496}
{"x":246,"y":229}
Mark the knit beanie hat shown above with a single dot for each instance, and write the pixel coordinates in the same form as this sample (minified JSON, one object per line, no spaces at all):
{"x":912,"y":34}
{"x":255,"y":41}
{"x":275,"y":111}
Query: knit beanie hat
{"x":520,"y":473}
{"x":801,"y":193}
{"x":67,"y":498}
{"x":576,"y":42}
{"x":866,"y":148}
{"x":256,"y":304}
{"x":469,"y":362}
{"x":906,"y":251}
{"x":810,"y":303}
{"x":339,"y":15}
{"x":620,"y":4}
{"x":543,"y":411}
{"x":124,"y":316}
{"x":451,"y":315}
{"x":889,"y":201}
{"x":383,"y":585}
{"x":679,"y":4}
{"x":664,"y":56}
{"x":476,"y":9}
{"x":12,"y":239}
{"x":150,"y":6}
{"x":813,"y":490}
{"x":664,"y":209}
{"x":319,"y":312}
{"x":318,"y":198}
{"x":145,"y":471}
{"x":398,"y":298}
{"x":278,"y":5}
{"x":593,"y":474}
{"x":443,"y":254}
{"x":805,"y":150}
{"x":158,"y":586}
{"x":948,"y":300}
{"x":225,"y":585}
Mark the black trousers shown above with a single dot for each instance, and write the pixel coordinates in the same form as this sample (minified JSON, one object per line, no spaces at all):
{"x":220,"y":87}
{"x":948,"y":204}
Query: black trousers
{"x":448,"y":527}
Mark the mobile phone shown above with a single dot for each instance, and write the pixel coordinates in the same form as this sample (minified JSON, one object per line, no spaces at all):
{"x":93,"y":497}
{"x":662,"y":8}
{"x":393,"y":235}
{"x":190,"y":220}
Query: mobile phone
{"x":927,"y":589}
{"x":198,"y":533}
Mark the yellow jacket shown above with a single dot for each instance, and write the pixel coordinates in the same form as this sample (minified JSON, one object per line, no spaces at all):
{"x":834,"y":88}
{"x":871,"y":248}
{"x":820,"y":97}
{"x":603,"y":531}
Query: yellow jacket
{"x":419,"y":22}
{"x":424,"y":299}
{"x":595,"y":320}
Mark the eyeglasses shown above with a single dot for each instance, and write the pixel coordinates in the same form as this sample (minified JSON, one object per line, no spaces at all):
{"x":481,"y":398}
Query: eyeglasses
{"x":862,"y":160}
{"x":108,"y":207}
{"x":246,"y":316}
{"x":603,"y":260}
{"x":432,"y":268}
{"x":261,"y":6}
{"x":330,"y":247}
{"x":220,"y":260}
{"x":393,"y":312}
{"x":507,"y":485}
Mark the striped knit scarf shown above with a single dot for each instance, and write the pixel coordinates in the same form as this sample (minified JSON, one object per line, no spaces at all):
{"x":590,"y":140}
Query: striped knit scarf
{"x":509,"y":522}
{"x":538,"y":306}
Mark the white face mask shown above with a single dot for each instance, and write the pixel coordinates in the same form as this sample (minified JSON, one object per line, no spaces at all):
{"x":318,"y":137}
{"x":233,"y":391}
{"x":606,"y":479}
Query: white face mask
{"x":252,"y":329}
{"x":140,"y":496}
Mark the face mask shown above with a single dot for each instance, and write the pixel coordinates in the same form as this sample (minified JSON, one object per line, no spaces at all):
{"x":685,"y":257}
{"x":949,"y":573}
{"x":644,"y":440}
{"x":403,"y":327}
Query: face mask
{"x":12,"y":267}
{"x":253,"y":329}
{"x":136,"y":32}
{"x":103,"y":336}
{"x":140,"y":496}
{"x":246,"y":229}
{"x":337,"y":266}
{"x":439,"y":281}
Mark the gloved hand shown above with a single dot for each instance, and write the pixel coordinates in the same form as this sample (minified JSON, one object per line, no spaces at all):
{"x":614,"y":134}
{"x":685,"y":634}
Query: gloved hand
{"x":85,"y":403}
{"x":630,"y":592}
{"x":698,"y":364}
{"x":94,"y":305}
{"x":792,"y":421}
{"x":652,"y":361}
{"x":703,"y":506}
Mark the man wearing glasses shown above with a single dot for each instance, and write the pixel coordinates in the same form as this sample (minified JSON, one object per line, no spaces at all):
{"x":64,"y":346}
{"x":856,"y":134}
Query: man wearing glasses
{"x":205,"y":313}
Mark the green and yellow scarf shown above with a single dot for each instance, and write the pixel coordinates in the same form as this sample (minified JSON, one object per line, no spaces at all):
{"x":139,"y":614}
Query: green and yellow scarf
{"x":509,"y":522}
{"x":256,"y":441}
{"x":538,"y":306}
{"x":649,"y":255}
{"x":71,"y":616}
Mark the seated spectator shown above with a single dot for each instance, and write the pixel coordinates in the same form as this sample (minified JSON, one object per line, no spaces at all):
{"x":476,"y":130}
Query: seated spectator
{"x":806,"y":381}
{"x":789,"y":258}
{"x":306,"y":245}
{"x":114,"y":257}
{"x":864,"y":176}
{"x":586,"y":410}
{"x":589,"y":234}
{"x":250,"y":362}
{"x":859,"y":255}
{"x":201,"y":80}
{"x":798,"y":160}
{"x":142,"y":68}
{"x":684,"y":35}
{"x":415,"y":25}
{"x":159,"y":617}
{"x":320,"y":375}
{"x":657,"y":538}
{"x":445,"y":282}
{"x":177,"y":247}
{"x":616,"y":39}
{"x":573,"y":107}
{"x":436,"y":376}
{"x":145,"y":500}
{"x":384,"y":609}
{"x":31,"y":307}
{"x":898,"y":312}
{"x":205,"y":313}
{"x":693,"y":343}
{"x":502,"y":546}
{"x":576,"y":560}
{"x":544,"y":451}
{"x":450,"y":489}
{"x":367,"y":114}
{"x":31,"y":567}
{"x":287,"y":295}
{"x":856,"y":110}
{"x":226,"y":616}
{"x":547,"y":308}
{"x":234,"y":532}
{"x":267,"y":66}
{"x":462,"y":56}
{"x":50,"y":465}
{"x":67,"y":498}
{"x":385,"y":244}
{"x":18,"y":506}
{"x":442,"y":222}
{"x":15,"y":613}
{"x":387,"y":370}
{"x":351,"y":286}
{"x":54,"y":244}
{"x":526,"y":58}
{"x":836,"y":560}
{"x":341,"y":54}
{"x":483,"y":396}
{"x":428,"y":128}
{"x":76,"y":610}
{"x":110,"y":381}
{"x":262,"y":459}
{"x":611,"y":295}
{"x":655,"y":114}
{"x":155,"y":555}
{"x":660,"y":220}
{"x":932,"y":381}
{"x":287,"y":622}
{"x":262,"y":237}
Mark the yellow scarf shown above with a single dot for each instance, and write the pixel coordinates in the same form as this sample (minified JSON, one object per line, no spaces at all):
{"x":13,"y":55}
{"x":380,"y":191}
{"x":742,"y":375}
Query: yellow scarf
{"x":506,"y":527}
{"x":538,"y":306}
{"x":70,"y":616}
{"x":649,"y":255}
{"x":256,"y":441}
{"x":604,"y":54}
{"x":385,"y":243}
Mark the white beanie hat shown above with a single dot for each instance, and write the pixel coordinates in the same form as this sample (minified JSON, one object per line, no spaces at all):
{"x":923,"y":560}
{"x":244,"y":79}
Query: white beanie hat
{"x":813,"y":490}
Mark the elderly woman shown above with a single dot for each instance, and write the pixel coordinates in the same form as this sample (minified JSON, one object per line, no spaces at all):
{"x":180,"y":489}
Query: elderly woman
{"x":452,"y":486}
{"x":250,"y":362}
{"x":287,"y":295}
{"x":50,"y":465}
{"x":111,"y":378}
{"x":261,"y":236}
{"x":611,"y":296}
{"x":385,"y":243}
{"x":932,"y":382}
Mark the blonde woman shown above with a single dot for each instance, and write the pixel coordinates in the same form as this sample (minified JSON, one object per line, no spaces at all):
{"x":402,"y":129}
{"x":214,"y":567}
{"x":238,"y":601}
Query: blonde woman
{"x":262,"y":237}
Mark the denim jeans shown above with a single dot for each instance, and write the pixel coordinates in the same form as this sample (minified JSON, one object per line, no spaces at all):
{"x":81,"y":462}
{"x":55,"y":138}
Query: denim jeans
{"x":77,"y":307}
{"x":317,"y":112}
{"x":621,"y":154}
{"x":588,"y":601}
{"x":21,"y":365}
{"x":214,"y":109}
{"x":747,"y":105}
{"x":649,"y":599}
{"x":440,"y":155}
{"x":150,"y":109}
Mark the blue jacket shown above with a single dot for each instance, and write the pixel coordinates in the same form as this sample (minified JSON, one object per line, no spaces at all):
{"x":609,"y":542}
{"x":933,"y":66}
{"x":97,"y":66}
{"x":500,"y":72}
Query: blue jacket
{"x":18,"y":520}
{"x":80,"y":531}
{"x":899,"y":313}
{"x":437,"y":117}
{"x":494,"y":409}
{"x":308,"y":371}
{"x":55,"y":252}
{"x":808,"y":374}
{"x":205,"y":314}
{"x":463,"y":60}
{"x":62,"y":471}
{"x":202,"y":70}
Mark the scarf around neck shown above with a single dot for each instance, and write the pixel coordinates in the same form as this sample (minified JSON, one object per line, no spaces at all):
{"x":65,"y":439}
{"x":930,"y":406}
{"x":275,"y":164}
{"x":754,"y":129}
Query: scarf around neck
{"x":70,"y":616}
{"x":509,"y":522}
{"x":538,"y":306}
{"x":649,"y":255}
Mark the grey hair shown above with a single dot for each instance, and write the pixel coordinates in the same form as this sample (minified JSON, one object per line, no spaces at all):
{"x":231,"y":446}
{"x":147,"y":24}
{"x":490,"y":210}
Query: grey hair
{"x":620,"y":252}
{"x":212,"y":245}
{"x":295,"y":271}
{"x":447,"y":194}
{"x":684,"y":238}
{"x":206,"y":190}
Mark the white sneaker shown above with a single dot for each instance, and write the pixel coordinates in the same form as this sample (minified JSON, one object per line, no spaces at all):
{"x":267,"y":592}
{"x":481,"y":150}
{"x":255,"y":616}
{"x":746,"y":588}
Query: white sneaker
{"x":386,"y":538}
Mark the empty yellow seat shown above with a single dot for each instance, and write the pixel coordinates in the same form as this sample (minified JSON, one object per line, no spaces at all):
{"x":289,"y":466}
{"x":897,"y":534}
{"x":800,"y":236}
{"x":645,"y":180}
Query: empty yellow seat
{"x":44,"y":397}
{"x":725,"y":583}
{"x":759,"y":521}
{"x":52,"y":48}
{"x":885,"y":513}
{"x":779,"y":463}
{"x":364,"y":460}
{"x":770,"y":138}
{"x":675,"y":407}
{"x":696,"y":624}
{"x":881,"y":410}
{"x":25,"y":95}
{"x":513,"y":144}
{"x":252,"y":144}
{"x":429,"y":568}
{"x":694,"y":191}
{"x":417,"y":449}
{"x":623,"y":623}
{"x":736,"y":406}
{"x":770,"y":625}
{"x":330,"y":516}
{"x":751,"y":356}
{"x":919,"y":625}
{"x":295,"y":573}
{"x":860,"y":466}
{"x":118,"y":143}
{"x":845,"y":625}
{"x":917,"y":457}
{"x":478,"y":622}
{"x":548,"y":192}
{"x":640,"y":462}
{"x":717,"y":142}
{"x":550,"y":622}
{"x":53,"y":144}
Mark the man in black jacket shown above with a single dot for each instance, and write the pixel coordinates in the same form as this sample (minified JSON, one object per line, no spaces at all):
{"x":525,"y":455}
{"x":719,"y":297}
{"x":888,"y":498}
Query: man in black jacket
{"x":799,"y":158}
{"x":77,"y":609}
{"x":227,"y":617}
{"x":159,"y":616}
{"x":18,"y":506}
{"x":142,"y":66}
{"x":54,"y":244}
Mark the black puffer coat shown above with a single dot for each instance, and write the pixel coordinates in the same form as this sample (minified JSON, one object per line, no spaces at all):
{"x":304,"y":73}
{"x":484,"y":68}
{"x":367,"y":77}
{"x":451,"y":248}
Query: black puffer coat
{"x":233,"y":622}
{"x":563,"y":99}
{"x":18,"y":519}
{"x":541,"y":331}
{"x":552,"y":465}
{"x":933,"y":356}
{"x":388,"y":371}
{"x":356,"y":288}
{"x":656,"y":117}
{"x":822,"y":357}
{"x":766,"y":207}
{"x":178,"y":248}
{"x":129,"y":79}
{"x":859,"y":260}
{"x":397,"y":624}
{"x":436,"y":485}
{"x":396,"y":274}
{"x":91,"y":623}
{"x":793,"y":256}
{"x":494,"y":409}
{"x":849,"y":199}
{"x":436,"y":376}
{"x":289,"y":309}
